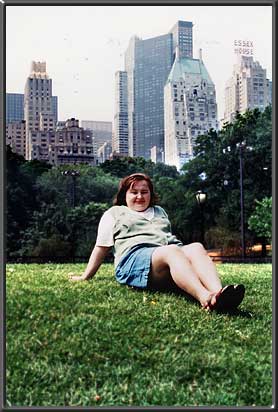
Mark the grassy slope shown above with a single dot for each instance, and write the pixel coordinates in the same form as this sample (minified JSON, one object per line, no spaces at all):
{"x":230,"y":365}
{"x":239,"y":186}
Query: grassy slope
{"x":100,"y":343}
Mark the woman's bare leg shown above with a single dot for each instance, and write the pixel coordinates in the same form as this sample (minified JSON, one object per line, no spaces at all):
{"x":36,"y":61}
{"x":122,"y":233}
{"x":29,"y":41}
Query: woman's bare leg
{"x":171,"y":261}
{"x":203,"y":266}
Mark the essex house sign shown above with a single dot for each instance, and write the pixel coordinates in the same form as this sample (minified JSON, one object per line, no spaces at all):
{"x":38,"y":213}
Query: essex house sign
{"x":243,"y":47}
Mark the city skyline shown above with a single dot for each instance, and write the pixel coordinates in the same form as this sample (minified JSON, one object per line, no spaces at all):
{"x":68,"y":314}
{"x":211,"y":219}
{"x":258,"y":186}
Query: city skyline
{"x":82,"y":63}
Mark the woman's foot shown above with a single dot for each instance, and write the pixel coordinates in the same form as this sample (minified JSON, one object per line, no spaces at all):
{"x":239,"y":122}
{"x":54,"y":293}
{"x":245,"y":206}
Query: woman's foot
{"x":208,"y":301}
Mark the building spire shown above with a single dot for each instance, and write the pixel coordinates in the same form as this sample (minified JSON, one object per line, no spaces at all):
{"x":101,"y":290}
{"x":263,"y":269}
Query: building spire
{"x":38,"y":70}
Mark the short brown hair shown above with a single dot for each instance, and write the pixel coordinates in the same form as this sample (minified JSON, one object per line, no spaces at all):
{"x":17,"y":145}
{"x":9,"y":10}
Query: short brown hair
{"x":126,"y":182}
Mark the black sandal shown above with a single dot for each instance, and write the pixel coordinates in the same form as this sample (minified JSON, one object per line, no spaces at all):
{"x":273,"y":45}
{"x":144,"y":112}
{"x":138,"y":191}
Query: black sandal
{"x":228,"y":298}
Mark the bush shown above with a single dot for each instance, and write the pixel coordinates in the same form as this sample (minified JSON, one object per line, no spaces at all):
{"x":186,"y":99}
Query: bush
{"x":261,"y":220}
{"x":55,"y":246}
{"x":224,"y":239}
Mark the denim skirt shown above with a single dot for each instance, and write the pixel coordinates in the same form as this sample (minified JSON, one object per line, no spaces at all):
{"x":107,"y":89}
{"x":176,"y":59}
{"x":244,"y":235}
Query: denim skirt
{"x":134,"y":267}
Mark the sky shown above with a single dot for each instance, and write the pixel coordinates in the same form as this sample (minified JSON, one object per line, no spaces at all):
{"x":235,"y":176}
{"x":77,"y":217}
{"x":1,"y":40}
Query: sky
{"x":83,"y":47}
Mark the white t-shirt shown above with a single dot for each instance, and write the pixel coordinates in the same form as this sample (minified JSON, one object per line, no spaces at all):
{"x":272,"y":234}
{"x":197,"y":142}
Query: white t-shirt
{"x":106,"y":224}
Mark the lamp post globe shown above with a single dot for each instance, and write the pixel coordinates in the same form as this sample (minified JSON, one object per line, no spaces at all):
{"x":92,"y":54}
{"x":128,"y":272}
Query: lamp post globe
{"x":201,"y":198}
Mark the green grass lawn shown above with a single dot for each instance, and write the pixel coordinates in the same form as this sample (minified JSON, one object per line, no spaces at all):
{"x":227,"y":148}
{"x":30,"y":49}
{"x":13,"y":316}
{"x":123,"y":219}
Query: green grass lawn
{"x":99,"y":343}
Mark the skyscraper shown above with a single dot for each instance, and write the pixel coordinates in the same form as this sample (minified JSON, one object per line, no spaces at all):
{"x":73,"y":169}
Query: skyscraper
{"x":120,"y":125}
{"x":183,"y":38}
{"x":189,"y":106}
{"x":38,"y":103}
{"x":152,"y":63}
{"x":14,"y":107}
{"x":248,"y":88}
{"x":129,"y":68}
{"x":148,"y":63}
{"x":101,"y":132}
{"x":15,"y":124}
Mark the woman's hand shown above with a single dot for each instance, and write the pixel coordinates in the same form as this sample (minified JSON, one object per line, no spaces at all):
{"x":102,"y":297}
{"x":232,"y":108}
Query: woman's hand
{"x":75,"y":278}
{"x":96,"y":258}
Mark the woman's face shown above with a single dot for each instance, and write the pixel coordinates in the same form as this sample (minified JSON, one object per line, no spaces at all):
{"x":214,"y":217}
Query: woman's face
{"x":138,"y":196}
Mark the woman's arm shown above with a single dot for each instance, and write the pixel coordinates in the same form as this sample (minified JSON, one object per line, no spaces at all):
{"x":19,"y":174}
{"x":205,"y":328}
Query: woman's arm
{"x":96,"y":259}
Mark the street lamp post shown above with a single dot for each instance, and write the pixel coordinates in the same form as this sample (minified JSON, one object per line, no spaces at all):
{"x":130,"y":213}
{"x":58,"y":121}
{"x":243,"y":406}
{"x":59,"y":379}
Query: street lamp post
{"x":242,"y":220}
{"x":201,"y":198}
{"x":74,"y":174}
{"x":241,"y":146}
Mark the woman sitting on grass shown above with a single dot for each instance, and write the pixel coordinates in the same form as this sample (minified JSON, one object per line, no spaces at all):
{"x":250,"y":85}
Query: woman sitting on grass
{"x":149,"y":256}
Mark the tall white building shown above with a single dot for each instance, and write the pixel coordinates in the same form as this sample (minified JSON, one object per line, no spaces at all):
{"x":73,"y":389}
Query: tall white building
{"x":120,"y":125}
{"x":248,"y":88}
{"x":190,"y":108}
{"x":38,"y":104}
{"x":130,"y":55}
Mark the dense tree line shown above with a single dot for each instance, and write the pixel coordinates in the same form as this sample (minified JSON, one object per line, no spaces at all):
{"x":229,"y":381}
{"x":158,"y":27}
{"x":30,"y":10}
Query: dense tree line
{"x":41,"y":220}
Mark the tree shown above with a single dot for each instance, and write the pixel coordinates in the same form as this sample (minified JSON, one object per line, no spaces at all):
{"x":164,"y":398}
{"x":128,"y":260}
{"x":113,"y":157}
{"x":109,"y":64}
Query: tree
{"x":55,"y":218}
{"x":82,"y":223}
{"x":21,"y":199}
{"x":261,"y":221}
